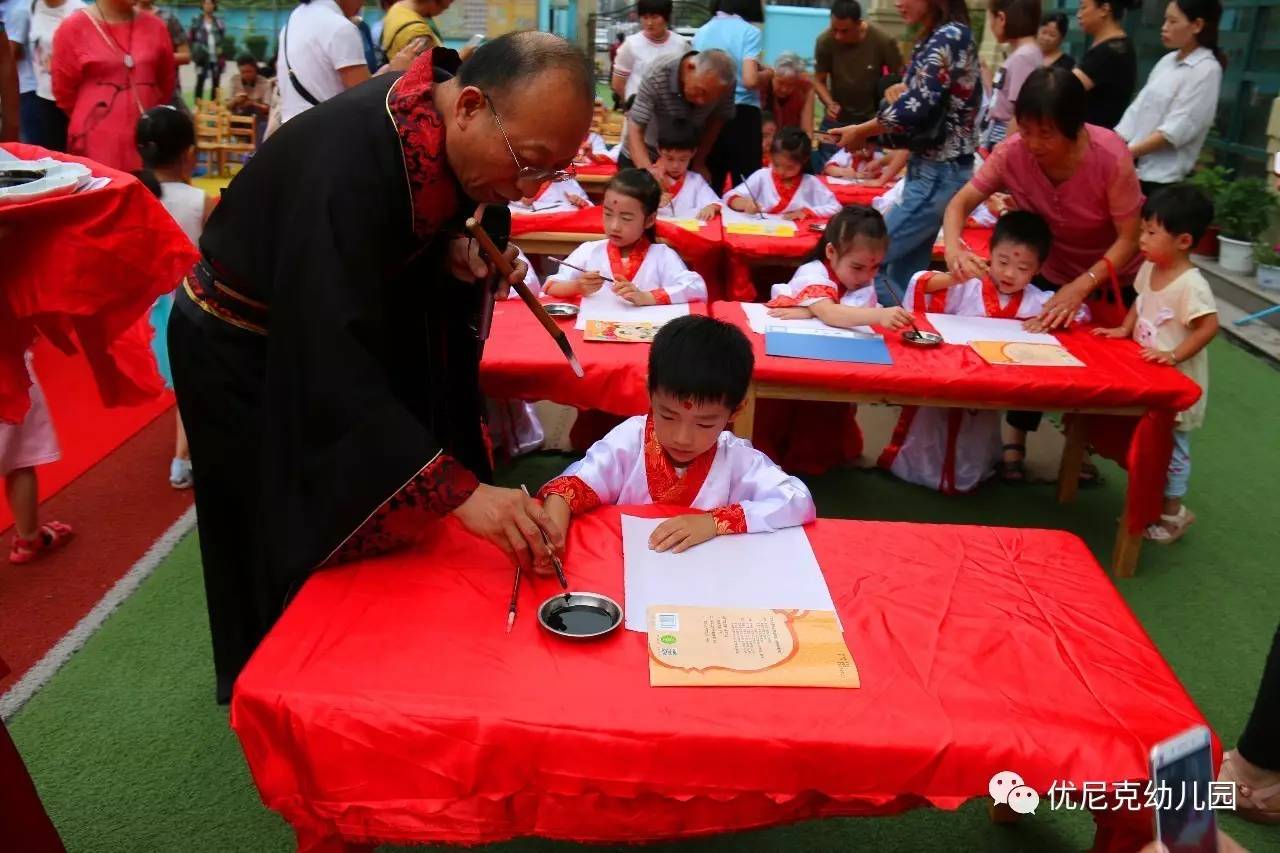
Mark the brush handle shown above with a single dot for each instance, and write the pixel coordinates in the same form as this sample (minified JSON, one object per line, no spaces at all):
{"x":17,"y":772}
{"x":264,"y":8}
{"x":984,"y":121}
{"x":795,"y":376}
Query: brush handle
{"x":504,"y":266}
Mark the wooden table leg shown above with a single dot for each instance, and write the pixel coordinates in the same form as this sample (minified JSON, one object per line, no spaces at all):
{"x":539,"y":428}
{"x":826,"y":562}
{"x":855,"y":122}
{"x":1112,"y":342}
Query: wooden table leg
{"x":1072,"y":458}
{"x":744,"y":424}
{"x":1124,"y":558}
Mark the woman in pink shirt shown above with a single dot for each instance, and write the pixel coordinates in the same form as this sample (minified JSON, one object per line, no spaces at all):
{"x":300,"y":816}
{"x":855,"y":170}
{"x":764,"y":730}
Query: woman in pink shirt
{"x":110,"y":65}
{"x":1081,"y":179}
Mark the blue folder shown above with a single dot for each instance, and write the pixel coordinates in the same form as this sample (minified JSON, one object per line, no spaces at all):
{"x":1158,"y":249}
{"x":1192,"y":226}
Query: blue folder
{"x":827,"y":346}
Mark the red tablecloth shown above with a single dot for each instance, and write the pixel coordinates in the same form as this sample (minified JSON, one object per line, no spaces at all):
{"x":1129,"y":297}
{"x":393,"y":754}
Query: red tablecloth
{"x":597,"y":170}
{"x":88,"y":265}
{"x":744,"y":251}
{"x":701,"y":250}
{"x":1114,"y":376}
{"x":388,"y":704}
{"x":855,"y":193}
{"x":521,"y":362}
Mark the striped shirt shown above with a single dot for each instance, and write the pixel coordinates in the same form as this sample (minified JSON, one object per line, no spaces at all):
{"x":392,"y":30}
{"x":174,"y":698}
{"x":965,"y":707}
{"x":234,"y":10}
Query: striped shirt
{"x":660,"y":96}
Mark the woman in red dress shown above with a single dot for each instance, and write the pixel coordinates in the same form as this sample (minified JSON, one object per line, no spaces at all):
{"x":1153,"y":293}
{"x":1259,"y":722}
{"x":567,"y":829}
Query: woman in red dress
{"x":110,"y":65}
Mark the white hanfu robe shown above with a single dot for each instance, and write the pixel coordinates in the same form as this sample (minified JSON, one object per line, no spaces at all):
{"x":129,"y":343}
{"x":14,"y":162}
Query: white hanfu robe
{"x":739,"y":485}
{"x":814,"y":282}
{"x":553,"y":198}
{"x":663,"y":273}
{"x":812,"y":196}
{"x":954,"y":450}
{"x":595,"y":144}
{"x":695,"y":194}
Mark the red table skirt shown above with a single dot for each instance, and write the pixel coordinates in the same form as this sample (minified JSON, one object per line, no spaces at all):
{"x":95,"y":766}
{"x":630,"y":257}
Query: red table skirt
{"x":84,"y":269}
{"x":389,"y":705}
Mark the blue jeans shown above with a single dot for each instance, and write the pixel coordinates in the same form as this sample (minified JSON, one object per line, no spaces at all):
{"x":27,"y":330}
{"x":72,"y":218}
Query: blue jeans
{"x":913,"y":224}
{"x":1179,"y":465}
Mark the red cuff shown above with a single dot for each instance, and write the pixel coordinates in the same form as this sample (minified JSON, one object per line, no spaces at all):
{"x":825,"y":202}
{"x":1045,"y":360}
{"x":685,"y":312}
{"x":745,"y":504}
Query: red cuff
{"x":576,"y":493}
{"x":730,"y":519}
{"x":812,"y":291}
{"x":436,"y":490}
{"x":660,"y":297}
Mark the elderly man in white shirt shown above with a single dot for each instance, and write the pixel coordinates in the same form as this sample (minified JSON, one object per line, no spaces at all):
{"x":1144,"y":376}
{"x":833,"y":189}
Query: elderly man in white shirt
{"x":321,"y":55}
{"x":1167,"y":124}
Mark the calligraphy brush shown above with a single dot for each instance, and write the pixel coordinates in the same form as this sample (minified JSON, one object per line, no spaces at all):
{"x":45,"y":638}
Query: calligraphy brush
{"x":555,"y":561}
{"x":926,"y":338}
{"x":579,"y":269}
{"x":500,"y":261}
{"x":515,"y":595}
{"x":754,"y":200}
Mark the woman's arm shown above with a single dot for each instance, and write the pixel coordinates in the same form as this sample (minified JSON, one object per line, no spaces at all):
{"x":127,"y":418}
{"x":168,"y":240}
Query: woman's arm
{"x":353,"y":75}
{"x":961,"y":262}
{"x":806,"y":113}
{"x":1062,"y":307}
{"x":64,"y":64}
{"x":1084,"y":78}
{"x":1149,"y":144}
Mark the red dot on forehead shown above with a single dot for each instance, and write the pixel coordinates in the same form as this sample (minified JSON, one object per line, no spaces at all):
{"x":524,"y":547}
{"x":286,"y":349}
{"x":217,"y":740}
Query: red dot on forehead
{"x":688,"y":404}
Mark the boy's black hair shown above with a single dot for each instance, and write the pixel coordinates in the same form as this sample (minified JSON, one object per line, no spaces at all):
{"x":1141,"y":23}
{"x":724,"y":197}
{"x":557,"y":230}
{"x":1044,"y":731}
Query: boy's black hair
{"x":794,"y":142}
{"x":1180,"y":209}
{"x":1025,"y":229}
{"x":677,"y":134}
{"x":246,"y":59}
{"x":644,"y":188}
{"x":853,"y":221}
{"x":698,"y":357}
{"x":655,"y":7}
{"x":1054,"y":95}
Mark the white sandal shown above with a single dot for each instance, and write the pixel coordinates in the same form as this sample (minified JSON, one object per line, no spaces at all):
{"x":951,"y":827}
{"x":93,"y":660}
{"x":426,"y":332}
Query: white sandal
{"x":1170,"y":527}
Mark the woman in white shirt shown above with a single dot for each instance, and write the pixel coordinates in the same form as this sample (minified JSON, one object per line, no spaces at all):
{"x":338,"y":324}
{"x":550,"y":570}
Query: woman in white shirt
{"x":321,"y":55}
{"x":654,"y":41}
{"x":1166,"y":125}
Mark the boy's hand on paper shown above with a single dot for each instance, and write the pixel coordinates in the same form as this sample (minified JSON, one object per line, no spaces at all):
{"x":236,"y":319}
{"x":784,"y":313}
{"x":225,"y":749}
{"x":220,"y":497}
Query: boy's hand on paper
{"x":1116,"y":333}
{"x":628,"y":291}
{"x":795,"y":215}
{"x":709,"y":212}
{"x":747,"y":205}
{"x":510,"y":520}
{"x":578,"y":201}
{"x":797,"y":313}
{"x":893,"y":318}
{"x":681,"y":533}
{"x":1157,"y":356}
{"x":590,"y":282}
{"x":665,"y":201}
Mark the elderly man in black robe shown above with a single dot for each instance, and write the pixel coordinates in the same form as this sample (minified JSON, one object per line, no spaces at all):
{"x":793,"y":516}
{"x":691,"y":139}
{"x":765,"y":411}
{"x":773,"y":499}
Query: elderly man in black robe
{"x":324,"y":350}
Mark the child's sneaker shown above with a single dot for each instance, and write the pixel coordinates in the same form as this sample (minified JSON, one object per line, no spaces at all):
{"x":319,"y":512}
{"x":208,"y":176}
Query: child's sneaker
{"x":52,"y":534}
{"x":180,"y":473}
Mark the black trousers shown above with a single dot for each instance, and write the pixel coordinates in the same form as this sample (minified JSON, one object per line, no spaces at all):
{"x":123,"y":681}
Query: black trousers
{"x":736,"y":154}
{"x":218,"y":376}
{"x":50,"y":122}
{"x":1260,"y":742}
{"x":212,"y":73}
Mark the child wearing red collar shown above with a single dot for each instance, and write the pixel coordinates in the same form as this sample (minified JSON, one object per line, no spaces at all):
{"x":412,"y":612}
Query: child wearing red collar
{"x":954,"y":450}
{"x":786,"y":187}
{"x":681,"y":452}
{"x":640,"y":271}
{"x":837,"y":285}
{"x":685,"y":194}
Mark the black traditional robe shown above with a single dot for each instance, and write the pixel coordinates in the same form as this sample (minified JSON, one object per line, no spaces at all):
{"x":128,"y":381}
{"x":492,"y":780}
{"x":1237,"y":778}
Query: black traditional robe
{"x":326,"y":364}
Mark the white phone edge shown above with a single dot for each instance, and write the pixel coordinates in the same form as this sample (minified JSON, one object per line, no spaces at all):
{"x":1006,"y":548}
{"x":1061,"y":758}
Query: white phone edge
{"x":1174,"y":749}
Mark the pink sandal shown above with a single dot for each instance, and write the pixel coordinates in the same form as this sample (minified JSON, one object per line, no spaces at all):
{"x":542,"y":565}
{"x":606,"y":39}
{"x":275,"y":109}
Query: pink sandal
{"x":53,"y":534}
{"x":1259,"y":805}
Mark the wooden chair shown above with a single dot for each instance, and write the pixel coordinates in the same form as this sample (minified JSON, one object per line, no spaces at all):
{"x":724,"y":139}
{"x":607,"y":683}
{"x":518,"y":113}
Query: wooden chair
{"x":241,"y":137}
{"x":211,"y":133}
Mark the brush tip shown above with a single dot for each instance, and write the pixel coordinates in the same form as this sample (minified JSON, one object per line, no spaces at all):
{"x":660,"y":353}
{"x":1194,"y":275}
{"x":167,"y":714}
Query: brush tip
{"x":511,"y":620}
{"x":577,"y":366}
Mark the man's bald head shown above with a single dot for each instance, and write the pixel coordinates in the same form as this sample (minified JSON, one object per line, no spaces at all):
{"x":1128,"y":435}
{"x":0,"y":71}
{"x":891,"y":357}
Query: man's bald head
{"x":514,"y":59}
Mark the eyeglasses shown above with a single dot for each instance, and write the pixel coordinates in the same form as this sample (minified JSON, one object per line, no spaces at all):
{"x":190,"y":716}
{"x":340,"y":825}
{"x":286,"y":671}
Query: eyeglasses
{"x":529,"y":173}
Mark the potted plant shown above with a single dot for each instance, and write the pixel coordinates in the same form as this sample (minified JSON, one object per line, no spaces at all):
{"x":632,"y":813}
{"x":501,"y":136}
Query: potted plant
{"x":1243,"y":211}
{"x":1210,"y":180}
{"x":1268,"y":258}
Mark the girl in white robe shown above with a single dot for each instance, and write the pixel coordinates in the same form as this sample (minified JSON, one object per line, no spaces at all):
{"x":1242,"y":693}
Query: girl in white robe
{"x":784,"y":188}
{"x":554,"y":197}
{"x":643,"y":272}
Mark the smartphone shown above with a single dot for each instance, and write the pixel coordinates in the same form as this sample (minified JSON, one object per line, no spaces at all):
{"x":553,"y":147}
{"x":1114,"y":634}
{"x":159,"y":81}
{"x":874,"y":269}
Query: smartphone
{"x":1184,"y":765}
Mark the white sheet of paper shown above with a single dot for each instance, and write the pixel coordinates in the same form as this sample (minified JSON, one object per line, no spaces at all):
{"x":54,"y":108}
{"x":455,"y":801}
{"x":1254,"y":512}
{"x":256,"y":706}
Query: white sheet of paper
{"x":604,"y":305}
{"x":763,"y":570}
{"x":844,"y":182}
{"x":542,"y":207}
{"x":962,"y":330}
{"x":771,"y":221}
{"x":761,"y":322}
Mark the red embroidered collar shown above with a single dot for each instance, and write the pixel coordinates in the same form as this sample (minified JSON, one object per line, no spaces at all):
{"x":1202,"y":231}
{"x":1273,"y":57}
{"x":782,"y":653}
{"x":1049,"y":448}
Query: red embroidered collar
{"x":676,"y":186}
{"x":629,"y":268}
{"x":434,"y":192}
{"x":785,"y":193}
{"x":991,"y":301}
{"x":666,"y":486}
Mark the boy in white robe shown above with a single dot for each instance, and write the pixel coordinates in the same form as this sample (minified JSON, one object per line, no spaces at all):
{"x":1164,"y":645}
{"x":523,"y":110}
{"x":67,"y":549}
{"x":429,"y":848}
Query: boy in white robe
{"x":953,"y":450}
{"x":783,"y":188}
{"x":640,"y":271}
{"x":685,"y":194}
{"x":681,"y":454}
{"x":553,"y":197}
